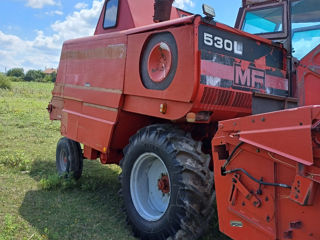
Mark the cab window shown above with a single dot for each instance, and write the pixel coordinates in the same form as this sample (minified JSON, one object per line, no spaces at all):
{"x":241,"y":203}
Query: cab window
{"x":111,"y":13}
{"x":305,"y":27}
{"x":261,"y":21}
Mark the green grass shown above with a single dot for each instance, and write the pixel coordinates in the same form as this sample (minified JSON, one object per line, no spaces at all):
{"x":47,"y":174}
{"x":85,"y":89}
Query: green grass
{"x":34,"y":202}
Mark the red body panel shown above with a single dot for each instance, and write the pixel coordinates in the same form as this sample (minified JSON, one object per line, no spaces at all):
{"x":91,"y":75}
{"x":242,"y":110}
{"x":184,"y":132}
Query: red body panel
{"x":308,"y":78}
{"x":274,"y":145}
{"x":91,"y":104}
{"x":99,"y":81}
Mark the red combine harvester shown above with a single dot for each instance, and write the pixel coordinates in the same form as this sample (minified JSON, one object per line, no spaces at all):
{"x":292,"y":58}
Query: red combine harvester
{"x":177,"y":98}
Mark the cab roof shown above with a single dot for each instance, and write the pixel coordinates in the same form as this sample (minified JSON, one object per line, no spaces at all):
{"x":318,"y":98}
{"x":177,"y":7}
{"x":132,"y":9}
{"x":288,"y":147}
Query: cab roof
{"x":255,"y":2}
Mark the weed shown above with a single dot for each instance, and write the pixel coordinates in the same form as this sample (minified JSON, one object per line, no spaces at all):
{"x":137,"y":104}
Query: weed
{"x":9,"y":225}
{"x":56,"y":182}
{"x":15,"y":160}
{"x":5,"y":83}
{"x":51,"y":182}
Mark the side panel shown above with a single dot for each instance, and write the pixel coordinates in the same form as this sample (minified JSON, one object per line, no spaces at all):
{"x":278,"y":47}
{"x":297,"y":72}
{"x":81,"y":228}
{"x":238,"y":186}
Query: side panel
{"x":232,"y":67}
{"x":92,"y":88}
{"x":308,"y":75}
{"x":179,"y":93}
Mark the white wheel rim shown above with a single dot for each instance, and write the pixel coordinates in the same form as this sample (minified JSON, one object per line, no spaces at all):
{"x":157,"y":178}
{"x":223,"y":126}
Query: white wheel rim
{"x":149,"y":199}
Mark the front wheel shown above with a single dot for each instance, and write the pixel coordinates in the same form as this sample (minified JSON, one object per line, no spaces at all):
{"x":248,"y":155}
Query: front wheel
{"x":166,"y":183}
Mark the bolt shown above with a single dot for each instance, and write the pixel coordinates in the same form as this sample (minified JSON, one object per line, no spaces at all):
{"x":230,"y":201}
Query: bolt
{"x":301,"y":124}
{"x":258,"y":150}
{"x":253,"y":121}
{"x":296,"y":196}
{"x":268,"y":218}
{"x":243,"y":203}
{"x":263,"y":119}
{"x":267,"y":199}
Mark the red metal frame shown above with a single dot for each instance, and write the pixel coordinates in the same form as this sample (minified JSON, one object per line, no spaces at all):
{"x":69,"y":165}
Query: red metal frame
{"x":278,"y":148}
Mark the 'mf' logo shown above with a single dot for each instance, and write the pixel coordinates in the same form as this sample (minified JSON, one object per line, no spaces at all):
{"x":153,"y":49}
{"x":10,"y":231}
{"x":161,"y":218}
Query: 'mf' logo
{"x":249,"y":78}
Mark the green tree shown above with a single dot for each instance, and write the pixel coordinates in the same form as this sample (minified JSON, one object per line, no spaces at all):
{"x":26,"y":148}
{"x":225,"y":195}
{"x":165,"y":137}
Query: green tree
{"x":47,"y":78}
{"x":34,"y":76}
{"x":17,"y":73}
{"x":53,"y":76}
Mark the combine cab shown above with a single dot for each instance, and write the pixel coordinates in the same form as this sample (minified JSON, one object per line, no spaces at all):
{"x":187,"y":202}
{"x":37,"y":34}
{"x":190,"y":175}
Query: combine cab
{"x":148,"y":90}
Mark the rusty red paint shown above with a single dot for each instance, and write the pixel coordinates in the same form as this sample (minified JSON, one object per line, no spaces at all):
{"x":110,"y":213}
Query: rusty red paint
{"x":247,"y":77}
{"x":216,"y":69}
{"x":261,"y":63}
{"x":294,"y":210}
{"x":308,"y":84}
{"x":164,"y":184}
{"x":245,"y":64}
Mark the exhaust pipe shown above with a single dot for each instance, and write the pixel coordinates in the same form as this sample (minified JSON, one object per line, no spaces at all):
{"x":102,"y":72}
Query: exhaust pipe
{"x":162,"y":10}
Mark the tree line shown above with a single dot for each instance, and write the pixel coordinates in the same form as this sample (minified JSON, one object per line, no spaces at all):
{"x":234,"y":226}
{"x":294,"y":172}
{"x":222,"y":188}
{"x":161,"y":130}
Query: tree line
{"x":18,"y":75}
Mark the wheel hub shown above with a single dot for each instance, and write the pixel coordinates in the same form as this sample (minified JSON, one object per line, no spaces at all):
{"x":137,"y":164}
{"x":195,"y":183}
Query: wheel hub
{"x":163,"y":184}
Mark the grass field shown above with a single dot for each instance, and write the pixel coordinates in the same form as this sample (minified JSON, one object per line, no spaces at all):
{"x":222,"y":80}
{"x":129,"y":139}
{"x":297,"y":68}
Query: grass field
{"x":34,"y":203}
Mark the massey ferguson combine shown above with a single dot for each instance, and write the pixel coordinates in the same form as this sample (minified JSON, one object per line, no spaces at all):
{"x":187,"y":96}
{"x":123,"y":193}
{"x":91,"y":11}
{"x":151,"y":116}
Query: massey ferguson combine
{"x":195,"y":112}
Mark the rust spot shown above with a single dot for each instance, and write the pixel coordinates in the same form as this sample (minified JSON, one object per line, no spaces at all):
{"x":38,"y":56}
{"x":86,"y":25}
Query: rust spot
{"x":288,"y":234}
{"x":163,"y":184}
{"x":115,"y":51}
{"x":261,"y":63}
{"x":244,"y":65}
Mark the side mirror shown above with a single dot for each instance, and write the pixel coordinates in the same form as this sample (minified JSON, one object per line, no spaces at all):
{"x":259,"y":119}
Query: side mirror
{"x":208,"y":11}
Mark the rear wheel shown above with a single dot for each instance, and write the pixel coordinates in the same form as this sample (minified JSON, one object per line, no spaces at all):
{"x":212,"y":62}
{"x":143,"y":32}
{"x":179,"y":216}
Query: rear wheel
{"x":166,"y":183}
{"x":69,"y":160}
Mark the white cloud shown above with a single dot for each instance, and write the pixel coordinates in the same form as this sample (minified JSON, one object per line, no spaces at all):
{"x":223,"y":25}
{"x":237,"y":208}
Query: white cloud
{"x":183,"y":3}
{"x":40,"y":3}
{"x":52,"y":13}
{"x":44,"y":50}
{"x":79,"y":23}
{"x":16,"y":52}
{"x":81,"y":5}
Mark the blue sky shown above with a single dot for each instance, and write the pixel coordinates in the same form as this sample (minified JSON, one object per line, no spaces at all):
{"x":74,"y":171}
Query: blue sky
{"x":32,"y":31}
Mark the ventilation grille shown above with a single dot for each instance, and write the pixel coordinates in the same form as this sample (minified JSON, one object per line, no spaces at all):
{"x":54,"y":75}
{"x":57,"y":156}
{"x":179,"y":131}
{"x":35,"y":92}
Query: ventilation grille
{"x":221,"y":97}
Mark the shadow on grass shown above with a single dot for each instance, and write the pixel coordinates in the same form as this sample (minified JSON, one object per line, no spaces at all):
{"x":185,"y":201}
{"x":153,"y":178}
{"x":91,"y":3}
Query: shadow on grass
{"x":91,"y":209}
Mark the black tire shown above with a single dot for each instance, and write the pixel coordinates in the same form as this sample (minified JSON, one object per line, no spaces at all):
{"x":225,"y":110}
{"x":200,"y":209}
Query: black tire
{"x":69,"y":159}
{"x":168,"y":38}
{"x":192,"y":188}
